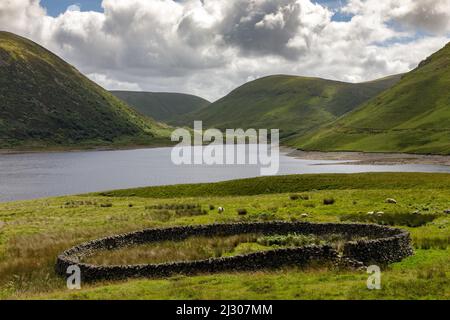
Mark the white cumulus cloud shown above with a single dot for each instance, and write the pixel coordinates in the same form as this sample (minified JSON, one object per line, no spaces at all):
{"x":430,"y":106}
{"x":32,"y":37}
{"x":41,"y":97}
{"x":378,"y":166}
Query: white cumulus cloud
{"x":74,"y":7}
{"x":209,"y":47}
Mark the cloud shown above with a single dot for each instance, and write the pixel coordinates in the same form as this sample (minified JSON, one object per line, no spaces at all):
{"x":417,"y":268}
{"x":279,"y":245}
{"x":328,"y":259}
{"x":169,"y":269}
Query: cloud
{"x":22,"y":16}
{"x":262,"y":27}
{"x":431,"y":16}
{"x":208,"y":47}
{"x":113,"y":84}
{"x":74,"y":7}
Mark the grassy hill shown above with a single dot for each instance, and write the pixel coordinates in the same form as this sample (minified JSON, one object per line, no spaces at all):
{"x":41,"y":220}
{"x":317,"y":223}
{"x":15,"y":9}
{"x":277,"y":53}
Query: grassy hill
{"x":45,"y":102}
{"x":160,"y":105}
{"x":295,"y":105}
{"x":413,"y":116}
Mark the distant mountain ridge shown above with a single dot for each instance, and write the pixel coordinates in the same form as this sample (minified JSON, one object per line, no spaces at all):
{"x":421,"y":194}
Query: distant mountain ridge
{"x":295,"y":105}
{"x":413,"y":116}
{"x":45,"y":102}
{"x":162,"y":106}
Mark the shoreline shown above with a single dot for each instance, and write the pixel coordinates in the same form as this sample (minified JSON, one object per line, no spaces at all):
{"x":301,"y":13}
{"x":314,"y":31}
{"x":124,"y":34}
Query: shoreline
{"x":343,"y":157}
{"x":81,"y":149}
{"x":365,"y":158}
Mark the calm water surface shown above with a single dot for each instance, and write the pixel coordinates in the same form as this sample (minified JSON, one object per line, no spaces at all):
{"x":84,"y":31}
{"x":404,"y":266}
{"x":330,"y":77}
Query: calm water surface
{"x":30,"y":176}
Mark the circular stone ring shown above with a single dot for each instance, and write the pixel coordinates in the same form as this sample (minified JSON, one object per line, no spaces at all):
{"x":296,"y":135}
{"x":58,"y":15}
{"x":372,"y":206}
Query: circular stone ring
{"x":384,"y":245}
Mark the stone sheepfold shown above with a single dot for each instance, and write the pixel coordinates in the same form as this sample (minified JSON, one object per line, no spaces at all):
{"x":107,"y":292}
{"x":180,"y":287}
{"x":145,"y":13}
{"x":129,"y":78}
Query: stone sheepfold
{"x":384,"y":245}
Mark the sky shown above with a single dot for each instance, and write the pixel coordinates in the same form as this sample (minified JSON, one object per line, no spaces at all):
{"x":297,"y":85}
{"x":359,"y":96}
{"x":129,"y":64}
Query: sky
{"x":209,"y":47}
{"x":57,"y":7}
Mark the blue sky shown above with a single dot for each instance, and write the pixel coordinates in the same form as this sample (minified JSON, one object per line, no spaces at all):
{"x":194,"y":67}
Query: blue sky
{"x":55,"y":7}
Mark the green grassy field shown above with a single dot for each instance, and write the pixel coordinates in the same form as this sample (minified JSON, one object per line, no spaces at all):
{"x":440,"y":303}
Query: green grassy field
{"x":412,"y":116}
{"x":32,"y":233}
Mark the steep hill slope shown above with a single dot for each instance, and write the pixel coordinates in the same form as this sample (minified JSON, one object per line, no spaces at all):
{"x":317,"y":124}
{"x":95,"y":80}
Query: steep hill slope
{"x":160,"y":105}
{"x":413,"y":116}
{"x":45,"y":102}
{"x":295,"y":105}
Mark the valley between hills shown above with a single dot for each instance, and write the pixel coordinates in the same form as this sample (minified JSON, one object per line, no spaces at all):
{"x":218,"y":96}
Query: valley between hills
{"x":46,"y":104}
{"x":399,"y":114}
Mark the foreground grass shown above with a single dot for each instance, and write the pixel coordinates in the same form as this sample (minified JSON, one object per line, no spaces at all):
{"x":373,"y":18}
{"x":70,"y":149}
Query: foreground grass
{"x":202,"y":248}
{"x":194,"y":248}
{"x":401,"y":281}
{"x":32,"y":233}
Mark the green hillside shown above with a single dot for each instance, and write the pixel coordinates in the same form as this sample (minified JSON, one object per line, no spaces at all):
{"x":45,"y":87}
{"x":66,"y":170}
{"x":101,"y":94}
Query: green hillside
{"x":413,"y":116}
{"x":295,"y":105}
{"x":45,"y":102}
{"x":160,"y":105}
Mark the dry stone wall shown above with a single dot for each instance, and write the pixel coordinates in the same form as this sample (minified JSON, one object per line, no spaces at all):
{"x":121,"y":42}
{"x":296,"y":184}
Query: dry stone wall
{"x":383,"y":245}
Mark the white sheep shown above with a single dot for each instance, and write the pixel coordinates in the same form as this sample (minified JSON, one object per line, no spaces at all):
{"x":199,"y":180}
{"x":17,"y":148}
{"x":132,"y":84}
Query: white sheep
{"x":221,"y":209}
